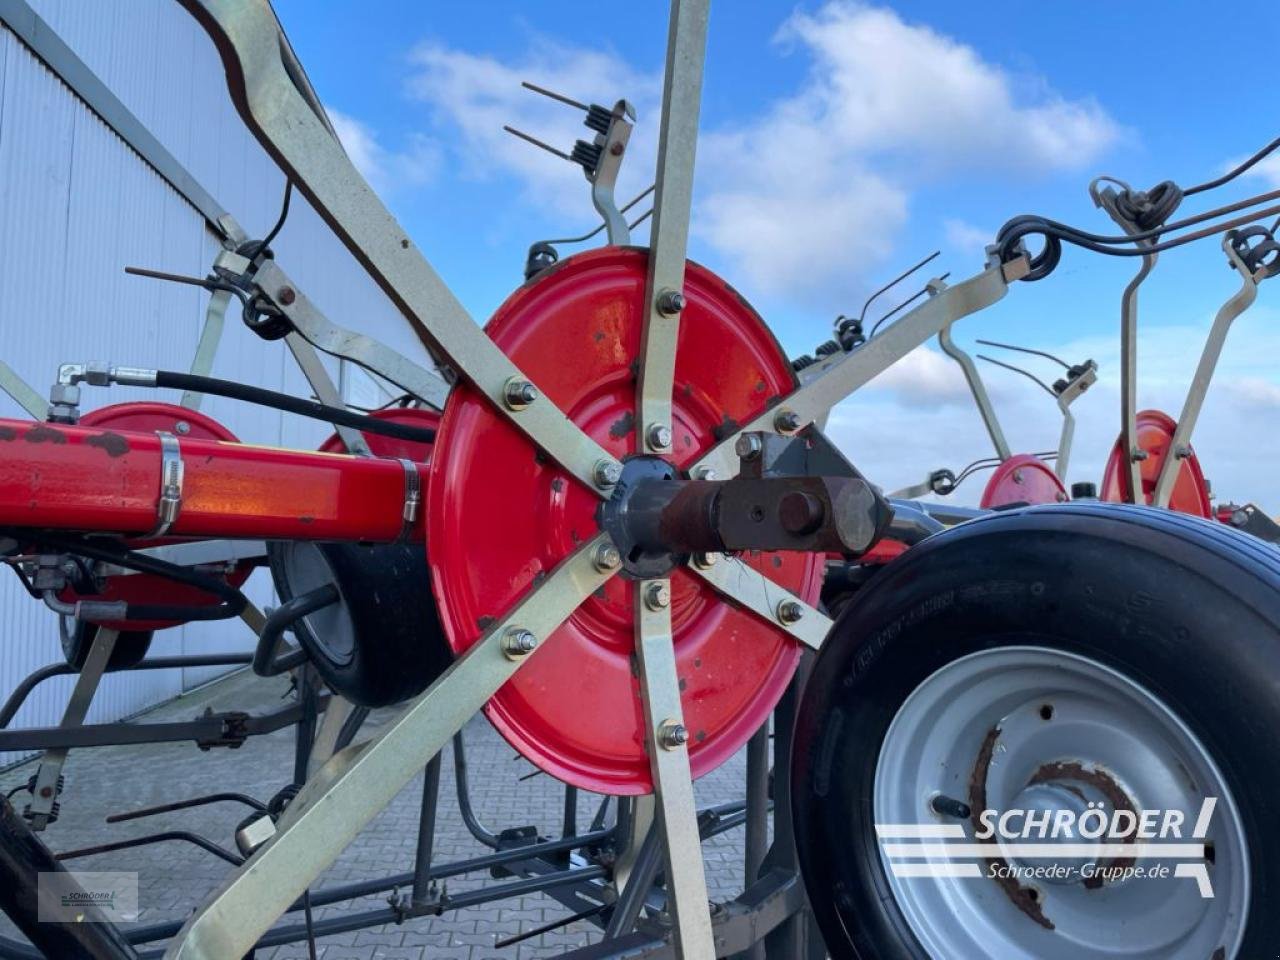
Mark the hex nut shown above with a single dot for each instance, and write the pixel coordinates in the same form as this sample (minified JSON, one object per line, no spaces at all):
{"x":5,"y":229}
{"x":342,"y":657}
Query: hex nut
{"x":671,"y":303}
{"x":518,"y":642}
{"x":657,"y":596}
{"x":748,"y":446}
{"x":672,"y":734}
{"x":787,"y":421}
{"x":790,"y":611}
{"x":606,"y":558}
{"x":606,"y":473}
{"x":659,"y":436}
{"x":518,"y":393}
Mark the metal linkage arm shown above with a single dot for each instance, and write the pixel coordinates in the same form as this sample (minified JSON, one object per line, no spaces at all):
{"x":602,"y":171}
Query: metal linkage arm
{"x":358,"y":781}
{"x":1107,"y":200}
{"x":316,"y":329}
{"x":23,"y":394}
{"x":249,"y":40}
{"x":669,"y":237}
{"x":1180,"y":444}
{"x":946,"y":305}
{"x":978,"y":389}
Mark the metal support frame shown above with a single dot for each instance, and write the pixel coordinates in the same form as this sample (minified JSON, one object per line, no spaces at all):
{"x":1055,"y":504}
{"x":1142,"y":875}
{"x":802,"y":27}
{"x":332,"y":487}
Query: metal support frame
{"x":979,"y":391}
{"x":1180,"y":444}
{"x":356,"y":783}
{"x":669,"y":236}
{"x":1106,"y":199}
{"x":666,"y":739}
{"x":248,"y":37}
{"x":316,"y":330}
{"x":847,"y":372}
{"x":23,"y":394}
{"x":44,"y":795}
{"x":1067,"y":397}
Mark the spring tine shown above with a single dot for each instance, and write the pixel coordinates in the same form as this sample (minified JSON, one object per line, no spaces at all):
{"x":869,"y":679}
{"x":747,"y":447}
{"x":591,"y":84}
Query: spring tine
{"x":905,"y":303}
{"x":1026,"y":373}
{"x":1013,"y":346}
{"x":537,"y":143}
{"x":569,"y":101}
{"x":894,"y":282}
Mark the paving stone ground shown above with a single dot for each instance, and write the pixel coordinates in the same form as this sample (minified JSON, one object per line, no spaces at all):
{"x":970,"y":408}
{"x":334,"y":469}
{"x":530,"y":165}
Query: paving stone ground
{"x":174,"y":877}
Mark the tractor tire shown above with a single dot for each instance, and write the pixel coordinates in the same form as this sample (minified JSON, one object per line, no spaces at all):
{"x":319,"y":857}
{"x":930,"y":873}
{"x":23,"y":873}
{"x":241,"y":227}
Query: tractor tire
{"x":382,"y":642}
{"x":1041,"y":627}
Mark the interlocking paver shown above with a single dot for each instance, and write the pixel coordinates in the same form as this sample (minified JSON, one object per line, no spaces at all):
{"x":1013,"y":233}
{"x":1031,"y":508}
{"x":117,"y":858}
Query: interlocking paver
{"x":174,"y":877}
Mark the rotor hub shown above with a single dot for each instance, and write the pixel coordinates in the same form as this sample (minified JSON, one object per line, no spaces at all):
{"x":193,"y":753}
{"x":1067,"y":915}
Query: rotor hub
{"x":502,"y":516}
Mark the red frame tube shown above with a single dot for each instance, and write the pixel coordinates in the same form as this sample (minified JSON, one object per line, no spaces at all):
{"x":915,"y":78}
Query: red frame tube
{"x":105,"y":481}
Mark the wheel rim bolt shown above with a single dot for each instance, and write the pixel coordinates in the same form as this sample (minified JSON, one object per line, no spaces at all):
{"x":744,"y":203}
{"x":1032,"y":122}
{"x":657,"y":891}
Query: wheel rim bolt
{"x":519,"y":393}
{"x":607,"y":473}
{"x":950,"y":807}
{"x":657,"y":596}
{"x":672,"y":734}
{"x":607,"y":557}
{"x":790,"y":611}
{"x":659,"y":435}
{"x":518,"y":642}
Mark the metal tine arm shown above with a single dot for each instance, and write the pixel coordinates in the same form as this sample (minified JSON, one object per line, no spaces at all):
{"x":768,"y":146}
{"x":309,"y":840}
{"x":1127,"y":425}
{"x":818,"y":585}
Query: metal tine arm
{"x":979,"y":391}
{"x":1107,"y":200}
{"x":247,"y":36}
{"x":357,"y":782}
{"x":1180,"y":444}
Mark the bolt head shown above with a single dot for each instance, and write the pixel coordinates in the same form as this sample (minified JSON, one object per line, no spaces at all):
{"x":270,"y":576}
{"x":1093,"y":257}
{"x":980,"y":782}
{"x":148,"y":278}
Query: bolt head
{"x":286,"y":295}
{"x":790,"y":611}
{"x":607,"y":473}
{"x":748,"y":446}
{"x":659,"y":436}
{"x":657,"y":596}
{"x":607,"y":557}
{"x":672,"y":734}
{"x":519,"y":393}
{"x":518,"y":642}
{"x":182,"y":428}
{"x":671,"y":303}
{"x":787,"y":421}
{"x":617,"y":149}
{"x":704,"y":561}
{"x":703,"y":473}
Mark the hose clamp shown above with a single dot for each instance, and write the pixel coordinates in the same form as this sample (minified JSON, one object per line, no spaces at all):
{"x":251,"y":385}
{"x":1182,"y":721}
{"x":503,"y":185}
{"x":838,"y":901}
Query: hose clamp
{"x":412,"y":498}
{"x":172,"y":472}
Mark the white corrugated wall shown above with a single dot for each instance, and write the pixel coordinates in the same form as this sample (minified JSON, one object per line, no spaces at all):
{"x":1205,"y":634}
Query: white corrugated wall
{"x":77,"y":206}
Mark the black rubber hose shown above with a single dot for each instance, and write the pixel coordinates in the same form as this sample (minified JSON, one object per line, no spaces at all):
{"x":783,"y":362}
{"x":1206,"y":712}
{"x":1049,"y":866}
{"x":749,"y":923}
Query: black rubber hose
{"x":282,"y":401}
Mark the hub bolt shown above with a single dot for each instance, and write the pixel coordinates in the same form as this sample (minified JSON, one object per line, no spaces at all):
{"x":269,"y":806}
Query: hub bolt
{"x":672,"y":734}
{"x":606,"y":473}
{"x":748,"y":446}
{"x":790,"y":611}
{"x":787,"y":421}
{"x":607,"y":557}
{"x":518,"y":643}
{"x":519,"y":393}
{"x":670,"y":303}
{"x":657,"y":596}
{"x":659,"y":435}
{"x":704,"y":561}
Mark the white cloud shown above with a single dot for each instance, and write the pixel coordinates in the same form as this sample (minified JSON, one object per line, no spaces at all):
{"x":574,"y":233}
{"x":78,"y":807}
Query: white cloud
{"x":477,"y":95}
{"x":806,"y":198}
{"x":1268,"y":168}
{"x":925,"y":378}
{"x":386,"y":170}
{"x":809,"y":198}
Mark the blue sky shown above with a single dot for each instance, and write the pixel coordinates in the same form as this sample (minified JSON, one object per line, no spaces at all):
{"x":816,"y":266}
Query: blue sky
{"x":840,"y":143}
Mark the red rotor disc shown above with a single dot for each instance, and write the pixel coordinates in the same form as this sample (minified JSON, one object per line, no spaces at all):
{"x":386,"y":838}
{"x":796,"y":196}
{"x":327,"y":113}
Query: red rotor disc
{"x":144,"y":588}
{"x":502,"y":516}
{"x":1022,"y":479}
{"x":384,"y":446}
{"x":1155,"y":434}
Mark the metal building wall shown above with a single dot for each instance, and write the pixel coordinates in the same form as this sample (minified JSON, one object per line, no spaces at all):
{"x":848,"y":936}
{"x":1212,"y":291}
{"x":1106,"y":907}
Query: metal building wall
{"x":76,"y":206}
